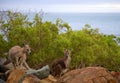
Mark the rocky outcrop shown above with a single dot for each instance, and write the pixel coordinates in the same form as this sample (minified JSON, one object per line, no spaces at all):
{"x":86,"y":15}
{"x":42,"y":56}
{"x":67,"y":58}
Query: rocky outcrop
{"x":17,"y":76}
{"x":88,"y":75}
{"x":31,"y":76}
{"x":116,"y":75}
{"x":3,"y":72}
{"x":84,"y":75}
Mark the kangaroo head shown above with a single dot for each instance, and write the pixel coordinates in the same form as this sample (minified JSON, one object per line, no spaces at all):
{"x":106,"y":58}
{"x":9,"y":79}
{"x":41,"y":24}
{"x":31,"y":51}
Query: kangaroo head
{"x":27,"y":49}
{"x":67,"y":52}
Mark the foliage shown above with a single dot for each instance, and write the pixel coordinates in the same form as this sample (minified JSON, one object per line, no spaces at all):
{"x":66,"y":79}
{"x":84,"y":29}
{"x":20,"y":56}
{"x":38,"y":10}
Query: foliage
{"x":48,"y":41}
{"x":3,"y":46}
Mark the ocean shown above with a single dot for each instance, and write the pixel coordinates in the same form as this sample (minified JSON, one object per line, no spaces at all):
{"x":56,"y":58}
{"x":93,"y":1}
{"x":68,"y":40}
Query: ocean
{"x":108,"y":23}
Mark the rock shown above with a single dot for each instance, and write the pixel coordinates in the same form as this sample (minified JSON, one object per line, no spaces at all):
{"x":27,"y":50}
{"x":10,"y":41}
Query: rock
{"x":18,"y":76}
{"x":6,"y":62}
{"x":15,"y":76}
{"x":2,"y":81}
{"x":9,"y":66}
{"x":3,"y":74}
{"x":40,"y":73}
{"x":28,"y":76}
{"x":88,"y":75}
{"x":49,"y":79}
{"x":31,"y":79}
{"x":2,"y":61}
{"x":116,"y":75}
{"x":3,"y":69}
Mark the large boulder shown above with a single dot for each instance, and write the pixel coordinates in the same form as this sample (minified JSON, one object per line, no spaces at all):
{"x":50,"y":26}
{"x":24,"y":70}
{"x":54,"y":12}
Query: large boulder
{"x":116,"y":75}
{"x":40,"y":73}
{"x":88,"y":75}
{"x":19,"y":76}
{"x":31,"y":76}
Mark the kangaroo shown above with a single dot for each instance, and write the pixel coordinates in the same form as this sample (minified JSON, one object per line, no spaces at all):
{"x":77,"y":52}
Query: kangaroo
{"x":61,"y":66}
{"x":17,"y":55}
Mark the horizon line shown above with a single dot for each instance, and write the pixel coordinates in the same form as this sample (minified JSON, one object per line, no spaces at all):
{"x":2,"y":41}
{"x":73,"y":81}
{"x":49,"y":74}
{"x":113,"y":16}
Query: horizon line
{"x":37,"y":11}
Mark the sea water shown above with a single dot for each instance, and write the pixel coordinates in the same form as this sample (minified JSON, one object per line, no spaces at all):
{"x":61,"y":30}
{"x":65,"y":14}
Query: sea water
{"x":108,"y":23}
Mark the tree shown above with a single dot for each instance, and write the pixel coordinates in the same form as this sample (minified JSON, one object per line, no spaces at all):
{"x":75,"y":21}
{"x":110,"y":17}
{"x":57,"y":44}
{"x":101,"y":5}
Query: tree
{"x":48,"y":41}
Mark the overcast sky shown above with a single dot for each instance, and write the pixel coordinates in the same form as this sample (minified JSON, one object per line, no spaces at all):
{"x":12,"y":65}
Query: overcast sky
{"x":62,"y":5}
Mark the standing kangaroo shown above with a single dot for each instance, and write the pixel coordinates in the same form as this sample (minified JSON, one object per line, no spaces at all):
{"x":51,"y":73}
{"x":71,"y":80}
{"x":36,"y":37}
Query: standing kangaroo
{"x":17,"y":55}
{"x":61,"y":66}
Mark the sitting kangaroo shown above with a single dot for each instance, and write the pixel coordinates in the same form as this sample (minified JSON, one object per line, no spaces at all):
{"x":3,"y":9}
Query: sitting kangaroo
{"x":61,"y":66}
{"x":17,"y":55}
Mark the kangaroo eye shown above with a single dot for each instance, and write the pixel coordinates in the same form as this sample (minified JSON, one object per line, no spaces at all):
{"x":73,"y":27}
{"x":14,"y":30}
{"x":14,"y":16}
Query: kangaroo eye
{"x":27,"y":49}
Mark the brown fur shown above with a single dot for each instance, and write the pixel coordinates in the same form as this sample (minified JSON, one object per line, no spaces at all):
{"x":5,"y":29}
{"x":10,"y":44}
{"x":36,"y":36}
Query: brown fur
{"x":18,"y":55}
{"x":61,"y":66}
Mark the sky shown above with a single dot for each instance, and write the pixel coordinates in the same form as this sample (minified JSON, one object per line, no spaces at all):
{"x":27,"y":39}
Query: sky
{"x":62,"y":5}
